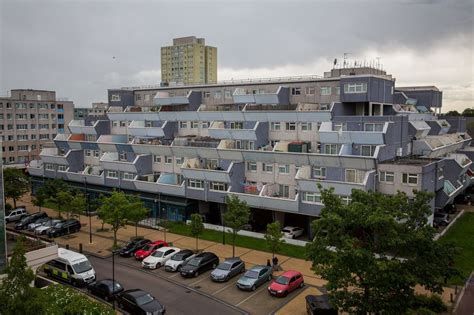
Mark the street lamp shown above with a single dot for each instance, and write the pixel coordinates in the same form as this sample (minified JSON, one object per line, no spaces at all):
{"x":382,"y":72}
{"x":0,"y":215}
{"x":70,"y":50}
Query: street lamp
{"x":113,"y":276}
{"x":88,"y":210}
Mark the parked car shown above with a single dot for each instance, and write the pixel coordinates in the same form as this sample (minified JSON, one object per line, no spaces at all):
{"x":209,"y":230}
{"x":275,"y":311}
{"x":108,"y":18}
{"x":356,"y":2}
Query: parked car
{"x":290,"y":280}
{"x":228,"y":269}
{"x":63,"y":228}
{"x":33,"y":225}
{"x":23,"y":224}
{"x":178,"y":260}
{"x":106,"y":289}
{"x":132,"y":246}
{"x":440,"y":219}
{"x":137,"y":301}
{"x":254,"y":277}
{"x":159,"y":257}
{"x":292,"y":232}
{"x":44,"y":228}
{"x":148,"y":249}
{"x":15,"y":215}
{"x":201,"y":262}
{"x":319,"y":305}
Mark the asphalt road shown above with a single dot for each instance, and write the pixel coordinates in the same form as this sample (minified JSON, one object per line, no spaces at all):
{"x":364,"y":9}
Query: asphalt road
{"x":177,"y":299}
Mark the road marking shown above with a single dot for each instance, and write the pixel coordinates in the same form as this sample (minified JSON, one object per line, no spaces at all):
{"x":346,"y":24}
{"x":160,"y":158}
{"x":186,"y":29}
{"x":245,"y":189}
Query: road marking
{"x":251,"y":296}
{"x":176,"y":274}
{"x":225,"y":287}
{"x":205,"y":278}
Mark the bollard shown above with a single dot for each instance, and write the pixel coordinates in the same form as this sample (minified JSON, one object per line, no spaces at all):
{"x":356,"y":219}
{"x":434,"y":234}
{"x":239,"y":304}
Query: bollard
{"x":80,"y":248}
{"x":67,"y":246}
{"x":452,"y":300}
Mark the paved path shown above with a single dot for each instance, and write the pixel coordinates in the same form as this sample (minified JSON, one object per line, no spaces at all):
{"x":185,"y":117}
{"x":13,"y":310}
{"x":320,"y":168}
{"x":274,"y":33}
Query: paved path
{"x":466,"y":304}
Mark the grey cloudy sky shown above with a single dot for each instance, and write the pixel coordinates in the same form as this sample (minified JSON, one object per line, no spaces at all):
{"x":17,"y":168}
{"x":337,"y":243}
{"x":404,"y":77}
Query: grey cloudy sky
{"x":68,"y":46}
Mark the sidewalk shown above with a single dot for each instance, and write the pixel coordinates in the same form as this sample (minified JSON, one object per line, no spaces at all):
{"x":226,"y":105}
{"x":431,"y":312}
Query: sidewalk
{"x":103,"y":241}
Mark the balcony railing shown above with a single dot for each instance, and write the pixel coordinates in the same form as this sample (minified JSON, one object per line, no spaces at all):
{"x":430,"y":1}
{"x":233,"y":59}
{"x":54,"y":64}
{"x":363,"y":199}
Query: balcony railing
{"x":220,"y":172}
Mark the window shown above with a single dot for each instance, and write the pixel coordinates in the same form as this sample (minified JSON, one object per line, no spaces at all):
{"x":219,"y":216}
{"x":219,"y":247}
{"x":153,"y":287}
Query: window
{"x":251,"y":166}
{"x":62,"y":168}
{"x":112,"y":174}
{"x":168,"y":159}
{"x":227,"y":93}
{"x":87,"y":152}
{"x":20,"y":105}
{"x":44,"y":137}
{"x":21,"y":116}
{"x":123,"y":123}
{"x":346,"y":199}
{"x":296,"y":91}
{"x":410,"y":179}
{"x":386,"y":177}
{"x":23,"y":127}
{"x":183,"y":124}
{"x":367,"y":150}
{"x":22,"y":137}
{"x":123,"y":156}
{"x":147,"y":97}
{"x":195,"y":184}
{"x":22,"y":148}
{"x":284,"y":169}
{"x":194,"y":124}
{"x":49,"y":166}
{"x":351,"y":176}
{"x":217,"y":95}
{"x":338,"y":90}
{"x":310,"y":90}
{"x":204,"y":124}
{"x":311,"y":197}
{"x":115,"y":98}
{"x":218,"y":186}
{"x":353,"y":88}
{"x":325,"y":90}
{"x":179,"y":160}
{"x":206,"y":94}
{"x":43,"y":116}
{"x":267,"y":168}
{"x":291,"y":126}
{"x":115,"y":123}
{"x":96,"y":153}
{"x":33,"y":137}
{"x":331,"y":149}
{"x":319,"y":172}
{"x":33,"y":126}
{"x":128,"y":176}
{"x":283,"y":191}
{"x":340,"y":127}
{"x":43,"y":126}
{"x":275,"y":126}
{"x":138,"y":97}
{"x":236,"y":125}
{"x":306,"y":126}
{"x":373,"y":127}
{"x":157,"y":158}
{"x":11,"y":148}
{"x":42,"y":106}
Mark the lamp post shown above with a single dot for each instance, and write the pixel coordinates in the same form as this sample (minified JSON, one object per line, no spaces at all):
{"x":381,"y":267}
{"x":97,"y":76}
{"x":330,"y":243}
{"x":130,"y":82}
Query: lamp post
{"x":88,"y":210}
{"x":113,"y":276}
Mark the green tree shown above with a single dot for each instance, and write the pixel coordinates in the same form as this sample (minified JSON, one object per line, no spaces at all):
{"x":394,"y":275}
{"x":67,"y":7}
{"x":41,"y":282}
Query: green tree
{"x":274,"y":237}
{"x":115,"y":211}
{"x":39,"y":200}
{"x":138,"y":212}
{"x":453,"y":113}
{"x":16,"y":184}
{"x":16,"y":288}
{"x":375,"y":250}
{"x":468,"y":112}
{"x":60,"y":201}
{"x":197,"y":227}
{"x":236,"y":216}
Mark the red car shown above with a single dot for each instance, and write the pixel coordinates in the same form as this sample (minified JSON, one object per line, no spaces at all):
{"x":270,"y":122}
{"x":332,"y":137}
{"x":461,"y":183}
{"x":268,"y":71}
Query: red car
{"x":287,"y":282}
{"x":148,"y":249}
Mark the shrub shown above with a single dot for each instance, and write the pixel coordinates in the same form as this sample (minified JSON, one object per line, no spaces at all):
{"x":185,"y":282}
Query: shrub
{"x":433,"y":303}
{"x":8,"y":207}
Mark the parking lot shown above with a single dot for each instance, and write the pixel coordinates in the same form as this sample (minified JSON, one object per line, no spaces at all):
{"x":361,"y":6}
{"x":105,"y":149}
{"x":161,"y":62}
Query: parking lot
{"x":254,"y":302}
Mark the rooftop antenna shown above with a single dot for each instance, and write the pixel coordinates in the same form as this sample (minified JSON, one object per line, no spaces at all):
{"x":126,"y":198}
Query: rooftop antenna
{"x":345,"y":59}
{"x":378,"y":62}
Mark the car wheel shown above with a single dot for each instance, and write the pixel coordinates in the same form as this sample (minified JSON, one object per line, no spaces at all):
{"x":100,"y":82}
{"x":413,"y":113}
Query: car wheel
{"x":158,"y":265}
{"x":254,"y":287}
{"x":301,"y":284}
{"x":285,"y":293}
{"x":196,"y":274}
{"x":179,"y":269}
{"x":227,"y":278}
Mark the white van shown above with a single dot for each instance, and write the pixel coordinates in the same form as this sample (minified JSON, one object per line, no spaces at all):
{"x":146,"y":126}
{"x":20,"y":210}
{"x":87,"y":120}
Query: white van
{"x":70,"y":266}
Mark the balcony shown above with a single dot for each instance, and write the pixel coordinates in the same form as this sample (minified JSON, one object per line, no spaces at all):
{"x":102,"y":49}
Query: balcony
{"x":146,"y":128}
{"x":140,"y":164}
{"x":239,"y":130}
{"x":267,"y":199}
{"x":166,"y":183}
{"x":52,"y":155}
{"x":88,"y":127}
{"x":212,"y":170}
{"x":280,"y":97}
{"x":329,"y":134}
{"x":363,"y":180}
{"x":94,"y":175}
{"x":35,"y":168}
{"x":448,"y":193}
{"x":461,"y":159}
{"x":164,"y":98}
{"x":440,"y":145}
{"x":113,"y":139}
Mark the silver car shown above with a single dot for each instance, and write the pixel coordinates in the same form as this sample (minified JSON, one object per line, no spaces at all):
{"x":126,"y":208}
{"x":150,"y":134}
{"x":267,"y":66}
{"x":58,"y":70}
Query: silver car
{"x":44,"y":228}
{"x":254,"y":277}
{"x":228,"y":269}
{"x":32,"y":226}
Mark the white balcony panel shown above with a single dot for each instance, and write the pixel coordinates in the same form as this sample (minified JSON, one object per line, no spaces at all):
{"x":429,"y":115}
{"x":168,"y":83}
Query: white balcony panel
{"x":75,"y":177}
{"x":170,"y":100}
{"x":138,"y":128}
{"x":79,"y":127}
{"x":50,"y":155}
{"x":209,"y":175}
{"x":262,"y":202}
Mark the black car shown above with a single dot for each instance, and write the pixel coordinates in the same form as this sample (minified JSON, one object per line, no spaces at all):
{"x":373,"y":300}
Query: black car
{"x":201,"y":262}
{"x":106,"y":289}
{"x":440,"y":219}
{"x":23,"y":224}
{"x":132,"y":246}
{"x":66,"y":227}
{"x":139,"y":302}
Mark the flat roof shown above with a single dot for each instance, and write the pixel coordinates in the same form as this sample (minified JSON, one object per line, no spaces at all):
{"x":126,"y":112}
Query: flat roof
{"x":418,"y":88}
{"x":411,"y":161}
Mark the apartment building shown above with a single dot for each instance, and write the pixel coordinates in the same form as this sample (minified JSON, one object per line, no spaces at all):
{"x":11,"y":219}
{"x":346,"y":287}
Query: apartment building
{"x":97,"y":110}
{"x":188,"y":61}
{"x":28,"y":120}
{"x":270,"y":142}
{"x":3,"y":230}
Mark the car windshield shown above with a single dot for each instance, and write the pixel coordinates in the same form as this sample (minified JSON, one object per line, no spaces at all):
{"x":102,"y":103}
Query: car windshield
{"x":117,"y":286}
{"x":178,"y":257}
{"x":224,"y":266}
{"x":157,"y":254}
{"x":82,"y":266}
{"x":49,"y":223}
{"x":25,"y":219}
{"x":194,"y":262}
{"x":144,"y":299}
{"x":251,"y":274}
{"x":282,"y":280}
{"x":286,"y":230}
{"x":58,"y":225}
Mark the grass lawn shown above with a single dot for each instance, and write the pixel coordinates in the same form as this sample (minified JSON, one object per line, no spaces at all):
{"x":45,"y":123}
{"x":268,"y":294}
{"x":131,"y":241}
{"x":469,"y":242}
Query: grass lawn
{"x":241,"y":241}
{"x":462,"y":236}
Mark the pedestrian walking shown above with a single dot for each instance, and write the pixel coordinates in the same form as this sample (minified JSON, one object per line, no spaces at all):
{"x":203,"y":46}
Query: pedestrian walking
{"x":275,"y":263}
{"x":268,"y":263}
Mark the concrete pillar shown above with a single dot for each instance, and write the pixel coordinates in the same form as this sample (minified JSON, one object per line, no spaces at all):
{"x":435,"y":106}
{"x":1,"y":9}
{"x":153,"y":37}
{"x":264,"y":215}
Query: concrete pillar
{"x":279,"y":216}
